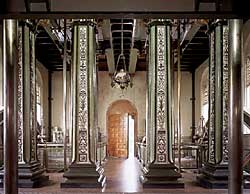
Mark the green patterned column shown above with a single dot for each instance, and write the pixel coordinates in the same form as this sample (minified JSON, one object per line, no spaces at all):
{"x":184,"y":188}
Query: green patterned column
{"x":30,"y":170}
{"x":83,"y":172}
{"x":160,"y":170}
{"x":214,"y":174}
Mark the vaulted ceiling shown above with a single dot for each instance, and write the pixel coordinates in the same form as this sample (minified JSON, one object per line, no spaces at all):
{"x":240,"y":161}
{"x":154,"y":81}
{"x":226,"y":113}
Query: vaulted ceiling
{"x":49,"y":46}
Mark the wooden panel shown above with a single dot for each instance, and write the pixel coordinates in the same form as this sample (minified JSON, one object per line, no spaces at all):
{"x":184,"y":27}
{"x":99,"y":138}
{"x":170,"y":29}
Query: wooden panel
{"x":117,"y":135}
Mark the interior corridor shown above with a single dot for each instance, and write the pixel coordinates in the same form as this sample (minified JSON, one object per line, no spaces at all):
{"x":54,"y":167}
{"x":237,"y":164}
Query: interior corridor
{"x":122,"y":177}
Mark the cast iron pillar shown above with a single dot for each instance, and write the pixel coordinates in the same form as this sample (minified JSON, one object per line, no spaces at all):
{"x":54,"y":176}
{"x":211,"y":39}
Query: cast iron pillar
{"x":215,"y":172}
{"x":10,"y":59}
{"x":30,"y":170}
{"x":83,"y":171}
{"x":235,"y":107}
{"x":160,"y":170}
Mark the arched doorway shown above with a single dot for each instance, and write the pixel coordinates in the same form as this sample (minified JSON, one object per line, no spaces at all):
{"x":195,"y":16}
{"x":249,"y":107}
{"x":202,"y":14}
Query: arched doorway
{"x":122,"y":129}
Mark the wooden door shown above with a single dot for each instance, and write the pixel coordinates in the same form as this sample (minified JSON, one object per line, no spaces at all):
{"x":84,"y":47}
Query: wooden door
{"x":117,"y":135}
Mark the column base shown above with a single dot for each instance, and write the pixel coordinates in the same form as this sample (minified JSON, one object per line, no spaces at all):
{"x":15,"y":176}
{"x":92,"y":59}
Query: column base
{"x":84,"y":176}
{"x":216,"y":177}
{"x":30,"y":175}
{"x":161,"y":176}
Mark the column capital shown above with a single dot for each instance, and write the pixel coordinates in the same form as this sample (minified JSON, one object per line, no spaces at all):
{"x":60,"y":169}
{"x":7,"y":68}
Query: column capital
{"x":213,"y":24}
{"x":86,"y":22}
{"x":160,"y":22}
{"x":29,"y":23}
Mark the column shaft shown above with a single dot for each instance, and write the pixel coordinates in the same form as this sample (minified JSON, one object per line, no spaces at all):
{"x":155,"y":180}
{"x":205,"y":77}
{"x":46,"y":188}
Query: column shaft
{"x":160,"y":170}
{"x":10,"y":58}
{"x":215,"y":172}
{"x":30,"y":171}
{"x":82,"y":172}
{"x":235,"y":109}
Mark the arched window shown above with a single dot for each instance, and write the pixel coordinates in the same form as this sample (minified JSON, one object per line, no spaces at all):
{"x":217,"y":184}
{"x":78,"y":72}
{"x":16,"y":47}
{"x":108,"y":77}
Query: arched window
{"x":205,"y":105}
{"x":204,"y":96}
{"x":39,"y":101}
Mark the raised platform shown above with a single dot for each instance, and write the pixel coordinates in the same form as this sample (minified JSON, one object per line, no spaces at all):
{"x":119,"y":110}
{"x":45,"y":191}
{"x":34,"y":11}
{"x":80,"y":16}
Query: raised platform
{"x":216,"y":177}
{"x":30,"y":175}
{"x":84,"y":176}
{"x":161,"y":176}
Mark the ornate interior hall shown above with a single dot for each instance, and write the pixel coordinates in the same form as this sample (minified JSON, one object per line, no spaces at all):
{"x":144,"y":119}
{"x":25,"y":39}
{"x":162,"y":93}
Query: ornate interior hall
{"x":124,"y":100}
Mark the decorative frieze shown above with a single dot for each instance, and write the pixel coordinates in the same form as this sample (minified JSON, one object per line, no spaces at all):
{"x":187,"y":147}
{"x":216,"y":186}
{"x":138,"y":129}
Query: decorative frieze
{"x":211,"y":156}
{"x":225,"y":95}
{"x":161,"y":92}
{"x":26,"y":96}
{"x":82,"y":111}
{"x":20,"y":96}
{"x":33,"y":96}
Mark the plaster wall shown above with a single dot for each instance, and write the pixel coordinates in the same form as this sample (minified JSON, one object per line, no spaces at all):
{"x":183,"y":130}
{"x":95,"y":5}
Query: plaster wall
{"x":44,"y":85}
{"x":136,"y":95}
{"x":186,"y":104}
{"x":57,"y":98}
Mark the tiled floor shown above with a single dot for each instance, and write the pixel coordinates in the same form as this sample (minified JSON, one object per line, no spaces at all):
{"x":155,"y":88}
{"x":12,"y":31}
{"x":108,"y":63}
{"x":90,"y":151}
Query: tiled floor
{"x":122,"y":177}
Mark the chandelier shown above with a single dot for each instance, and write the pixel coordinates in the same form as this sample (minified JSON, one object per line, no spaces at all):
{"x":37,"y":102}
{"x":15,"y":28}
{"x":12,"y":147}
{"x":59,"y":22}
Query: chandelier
{"x":121,"y":78}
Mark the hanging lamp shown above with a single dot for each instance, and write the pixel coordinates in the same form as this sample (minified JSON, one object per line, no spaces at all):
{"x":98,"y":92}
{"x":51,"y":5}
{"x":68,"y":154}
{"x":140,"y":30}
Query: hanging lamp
{"x":121,"y":78}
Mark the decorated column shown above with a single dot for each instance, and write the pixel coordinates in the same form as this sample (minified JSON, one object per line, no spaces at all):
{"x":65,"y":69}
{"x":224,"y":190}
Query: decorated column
{"x":30,"y":171}
{"x":83,"y":171}
{"x":160,"y":170}
{"x":214,"y":174}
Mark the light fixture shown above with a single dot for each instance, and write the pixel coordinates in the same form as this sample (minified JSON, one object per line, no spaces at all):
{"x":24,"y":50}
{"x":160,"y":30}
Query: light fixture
{"x":121,"y":78}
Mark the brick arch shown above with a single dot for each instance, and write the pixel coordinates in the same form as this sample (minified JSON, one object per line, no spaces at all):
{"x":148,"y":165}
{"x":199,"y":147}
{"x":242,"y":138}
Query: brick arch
{"x":117,"y":111}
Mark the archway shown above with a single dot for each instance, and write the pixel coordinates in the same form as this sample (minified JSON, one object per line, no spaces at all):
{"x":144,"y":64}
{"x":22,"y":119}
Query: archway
{"x":119,"y":116}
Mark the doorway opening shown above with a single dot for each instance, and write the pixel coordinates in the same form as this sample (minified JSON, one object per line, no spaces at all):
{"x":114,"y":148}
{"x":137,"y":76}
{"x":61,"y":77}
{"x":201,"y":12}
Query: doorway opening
{"x":122,"y":129}
{"x":131,"y":135}
{"x":122,"y":168}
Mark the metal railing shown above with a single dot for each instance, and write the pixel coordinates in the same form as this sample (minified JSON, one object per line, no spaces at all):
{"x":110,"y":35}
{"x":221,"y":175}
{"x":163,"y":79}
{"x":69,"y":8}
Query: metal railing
{"x":51,"y":156}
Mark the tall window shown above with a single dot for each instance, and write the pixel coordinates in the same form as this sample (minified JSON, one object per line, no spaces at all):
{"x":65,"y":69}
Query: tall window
{"x":205,"y":105}
{"x":246,"y":130}
{"x":38,"y":107}
{"x":204,"y":96}
{"x":247,"y":82}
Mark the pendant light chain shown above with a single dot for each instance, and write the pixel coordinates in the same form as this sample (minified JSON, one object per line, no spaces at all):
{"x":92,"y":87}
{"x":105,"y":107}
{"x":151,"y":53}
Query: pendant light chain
{"x":121,"y":77}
